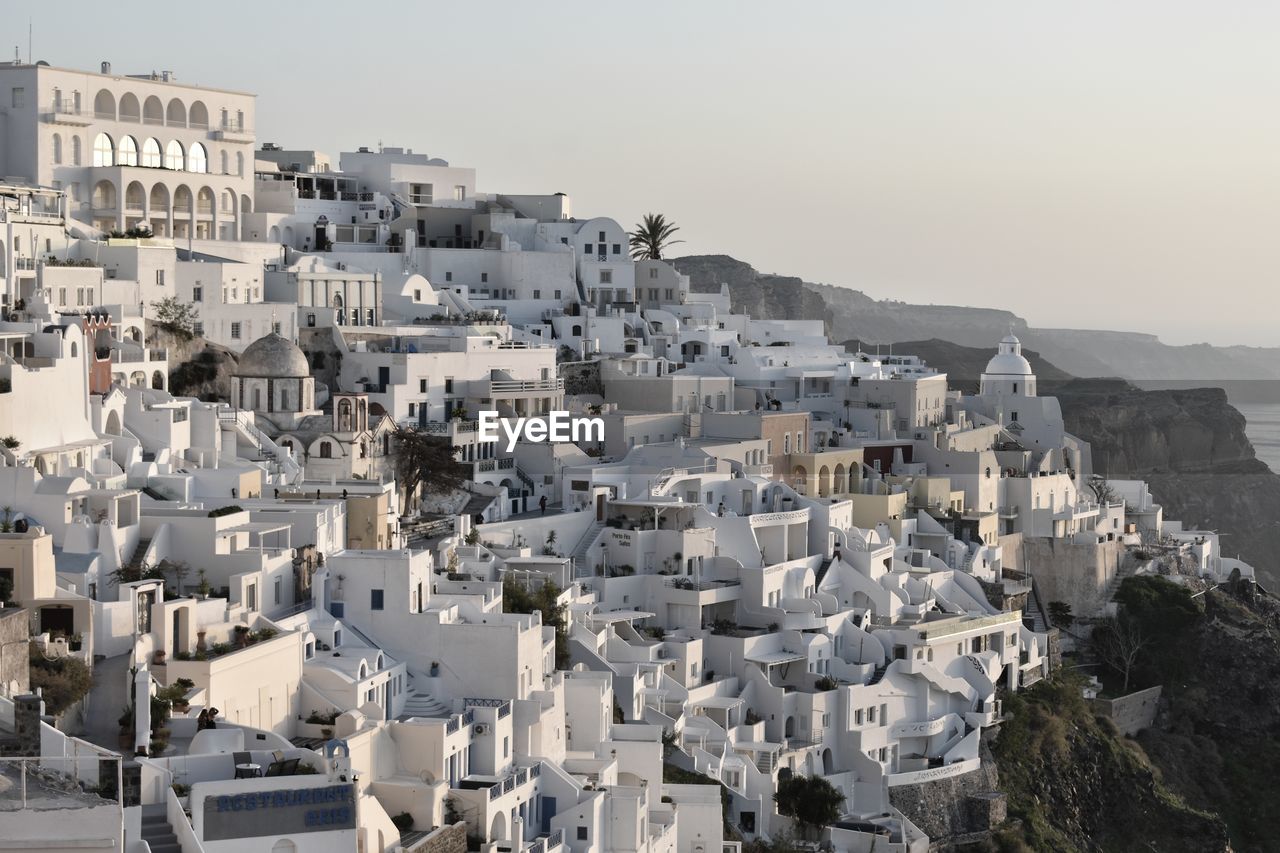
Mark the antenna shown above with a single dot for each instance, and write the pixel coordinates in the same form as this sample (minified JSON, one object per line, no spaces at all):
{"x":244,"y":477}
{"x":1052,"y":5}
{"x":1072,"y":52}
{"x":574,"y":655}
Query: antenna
{"x":30,"y":27}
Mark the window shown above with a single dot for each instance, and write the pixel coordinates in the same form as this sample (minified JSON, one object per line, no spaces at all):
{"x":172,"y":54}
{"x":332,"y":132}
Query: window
{"x":276,"y":591}
{"x":103,"y":150}
{"x":459,"y":193}
{"x":602,"y":237}
{"x":582,"y":833}
{"x":19,"y":97}
{"x":558,"y":294}
{"x":484,"y":278}
{"x":275,"y":327}
{"x":197,"y":294}
{"x":128,"y":152}
{"x":151,"y":154}
{"x":617,"y":248}
{"x":448,"y":276}
{"x":375,"y":599}
{"x":587,"y":248}
{"x":225,"y":170}
{"x":799,"y":442}
{"x":448,"y":385}
{"x":235,"y":331}
{"x":174,"y":156}
{"x":412,"y":409}
{"x":606,"y":276}
{"x":326,"y":450}
{"x":75,"y":151}
{"x":786,"y":443}
{"x":57,"y":149}
{"x":160,"y":277}
{"x":197,"y":159}
{"x":537,"y":294}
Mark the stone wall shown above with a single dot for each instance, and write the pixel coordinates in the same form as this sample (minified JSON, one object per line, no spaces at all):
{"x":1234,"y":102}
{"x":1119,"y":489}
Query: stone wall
{"x":15,"y":663}
{"x":1131,"y":713}
{"x":1077,"y":573}
{"x":582,"y":377}
{"x":446,"y":839}
{"x":953,"y":808}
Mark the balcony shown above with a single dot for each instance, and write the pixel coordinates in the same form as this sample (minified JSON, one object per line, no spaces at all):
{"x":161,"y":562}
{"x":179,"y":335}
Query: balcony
{"x":68,"y":112}
{"x":232,"y":131}
{"x":511,"y":387}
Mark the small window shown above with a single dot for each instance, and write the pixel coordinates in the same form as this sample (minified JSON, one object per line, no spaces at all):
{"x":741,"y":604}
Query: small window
{"x":617,"y":248}
{"x":606,"y":276}
{"x":422,"y":386}
{"x":235,"y":331}
{"x":582,"y":833}
{"x":484,"y":278}
{"x":375,"y":599}
{"x":19,"y":97}
{"x":653,"y":272}
{"x":448,"y":276}
{"x":197,"y":294}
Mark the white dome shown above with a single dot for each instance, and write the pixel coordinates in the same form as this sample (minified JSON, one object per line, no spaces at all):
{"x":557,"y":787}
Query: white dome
{"x":1008,"y":361}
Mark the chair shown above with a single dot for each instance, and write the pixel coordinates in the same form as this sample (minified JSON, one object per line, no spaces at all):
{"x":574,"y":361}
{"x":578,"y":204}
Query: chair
{"x":275,"y":768}
{"x":277,"y":755}
{"x":238,"y":758}
{"x":290,"y":767}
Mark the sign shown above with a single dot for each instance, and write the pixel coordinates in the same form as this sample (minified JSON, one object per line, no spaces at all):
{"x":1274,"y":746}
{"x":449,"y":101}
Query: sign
{"x":288,"y":811}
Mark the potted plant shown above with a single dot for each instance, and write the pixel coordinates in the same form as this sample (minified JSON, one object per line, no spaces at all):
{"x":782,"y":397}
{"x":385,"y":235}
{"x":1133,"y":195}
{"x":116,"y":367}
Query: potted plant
{"x":242,"y":636}
{"x":158,"y":657}
{"x":203,"y":588}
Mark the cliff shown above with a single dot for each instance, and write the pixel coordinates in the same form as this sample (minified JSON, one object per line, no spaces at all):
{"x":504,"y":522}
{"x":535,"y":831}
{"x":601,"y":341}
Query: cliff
{"x":853,"y":315}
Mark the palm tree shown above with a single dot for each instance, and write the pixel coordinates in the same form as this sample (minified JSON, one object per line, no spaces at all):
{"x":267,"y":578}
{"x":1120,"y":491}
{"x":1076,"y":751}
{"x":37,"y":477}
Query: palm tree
{"x":652,"y":237}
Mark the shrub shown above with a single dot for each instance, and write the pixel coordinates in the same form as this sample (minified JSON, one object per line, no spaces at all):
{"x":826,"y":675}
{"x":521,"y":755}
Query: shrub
{"x":403,"y":821}
{"x":63,"y":681}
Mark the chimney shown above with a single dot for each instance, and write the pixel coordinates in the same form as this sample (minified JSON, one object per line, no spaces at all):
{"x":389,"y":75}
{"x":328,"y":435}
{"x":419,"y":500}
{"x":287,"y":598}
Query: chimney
{"x":106,"y":67}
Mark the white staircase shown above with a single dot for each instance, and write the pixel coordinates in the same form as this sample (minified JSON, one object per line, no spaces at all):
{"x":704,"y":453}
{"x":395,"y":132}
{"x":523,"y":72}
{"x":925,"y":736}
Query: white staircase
{"x":422,"y":704}
{"x":581,"y":569}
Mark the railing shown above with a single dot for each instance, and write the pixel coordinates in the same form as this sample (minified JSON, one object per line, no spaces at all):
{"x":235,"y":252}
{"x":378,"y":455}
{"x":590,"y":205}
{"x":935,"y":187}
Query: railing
{"x":499,"y":386}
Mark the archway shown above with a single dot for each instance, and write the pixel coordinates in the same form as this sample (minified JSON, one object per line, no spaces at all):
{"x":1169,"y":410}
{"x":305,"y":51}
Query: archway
{"x":799,"y":478}
{"x":498,"y":829}
{"x":828,"y":764}
{"x":841,"y":485}
{"x":175,"y":115}
{"x":104,"y":105}
{"x":199,"y":115}
{"x":135,"y":197}
{"x":789,"y":728}
{"x":113,"y":423}
{"x":104,"y":195}
{"x":153,"y":111}
{"x":157,"y":381}
{"x":824,"y":481}
{"x":129,"y":108}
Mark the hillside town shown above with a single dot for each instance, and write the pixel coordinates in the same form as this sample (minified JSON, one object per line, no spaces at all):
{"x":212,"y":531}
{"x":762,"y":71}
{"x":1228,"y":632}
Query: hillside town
{"x":284,"y":494}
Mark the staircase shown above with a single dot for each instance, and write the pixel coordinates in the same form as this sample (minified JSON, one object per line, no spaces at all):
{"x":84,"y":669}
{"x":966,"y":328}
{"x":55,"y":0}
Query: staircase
{"x":157,"y":831}
{"x":422,"y":705}
{"x":135,"y":561}
{"x":878,"y":674}
{"x":581,"y":569}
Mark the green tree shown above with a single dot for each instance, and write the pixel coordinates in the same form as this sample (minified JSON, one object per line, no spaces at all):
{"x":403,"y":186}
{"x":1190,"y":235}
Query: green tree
{"x":652,"y":237}
{"x":176,"y":317}
{"x":518,"y":598}
{"x":1060,"y":614}
{"x":811,"y":801}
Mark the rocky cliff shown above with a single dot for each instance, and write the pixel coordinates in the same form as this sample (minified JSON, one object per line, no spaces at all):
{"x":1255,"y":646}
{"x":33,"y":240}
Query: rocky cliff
{"x":853,"y":315}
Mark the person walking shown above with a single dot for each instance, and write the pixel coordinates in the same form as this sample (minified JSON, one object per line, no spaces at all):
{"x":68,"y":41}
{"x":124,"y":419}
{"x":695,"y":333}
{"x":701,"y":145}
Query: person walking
{"x":542,"y":504}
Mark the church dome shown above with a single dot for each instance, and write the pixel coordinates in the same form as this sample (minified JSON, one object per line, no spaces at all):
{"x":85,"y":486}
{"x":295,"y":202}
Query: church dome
{"x":1008,"y":360}
{"x":273,"y":357}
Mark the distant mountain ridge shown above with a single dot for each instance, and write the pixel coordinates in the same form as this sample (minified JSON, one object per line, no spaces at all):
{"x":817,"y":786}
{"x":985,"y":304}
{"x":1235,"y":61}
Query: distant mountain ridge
{"x":853,"y":315}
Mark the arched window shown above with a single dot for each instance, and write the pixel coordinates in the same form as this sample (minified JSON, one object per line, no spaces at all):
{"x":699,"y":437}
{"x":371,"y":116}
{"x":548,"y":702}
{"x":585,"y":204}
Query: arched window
{"x":151,"y":154}
{"x":128,"y":152}
{"x":240,"y":163}
{"x":326,"y":450}
{"x":103,"y":150}
{"x":173,"y":155}
{"x":57,"y":149}
{"x":223,"y":158}
{"x":75,"y":151}
{"x":197,"y":158}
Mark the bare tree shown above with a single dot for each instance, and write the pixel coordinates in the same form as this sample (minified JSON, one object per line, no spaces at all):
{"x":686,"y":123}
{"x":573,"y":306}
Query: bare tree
{"x":1102,"y":491}
{"x":1119,"y":641}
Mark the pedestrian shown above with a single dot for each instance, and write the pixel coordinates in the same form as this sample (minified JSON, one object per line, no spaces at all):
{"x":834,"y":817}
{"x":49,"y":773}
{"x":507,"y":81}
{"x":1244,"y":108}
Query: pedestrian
{"x":542,"y":504}
{"x":202,"y":721}
{"x":721,"y":509}
{"x":212,"y":722}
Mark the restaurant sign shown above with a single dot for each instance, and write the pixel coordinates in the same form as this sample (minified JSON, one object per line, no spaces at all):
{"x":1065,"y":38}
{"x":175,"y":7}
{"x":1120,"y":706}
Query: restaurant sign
{"x":287,"y":811}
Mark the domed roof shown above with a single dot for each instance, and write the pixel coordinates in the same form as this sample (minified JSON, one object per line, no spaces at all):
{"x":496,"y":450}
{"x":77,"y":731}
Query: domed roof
{"x":273,"y":356}
{"x":1008,"y":360}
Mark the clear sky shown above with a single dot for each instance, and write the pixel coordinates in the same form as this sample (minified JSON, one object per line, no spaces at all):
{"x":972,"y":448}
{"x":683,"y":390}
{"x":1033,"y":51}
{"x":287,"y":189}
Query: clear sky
{"x":1087,"y":164}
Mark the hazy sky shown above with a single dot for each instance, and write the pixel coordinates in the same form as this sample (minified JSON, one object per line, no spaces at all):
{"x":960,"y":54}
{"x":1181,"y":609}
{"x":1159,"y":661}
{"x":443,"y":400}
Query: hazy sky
{"x":1087,"y":164}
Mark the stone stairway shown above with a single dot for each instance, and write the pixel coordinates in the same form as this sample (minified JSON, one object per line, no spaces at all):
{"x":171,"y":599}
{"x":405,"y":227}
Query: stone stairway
{"x":135,"y":561}
{"x":157,"y":831}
